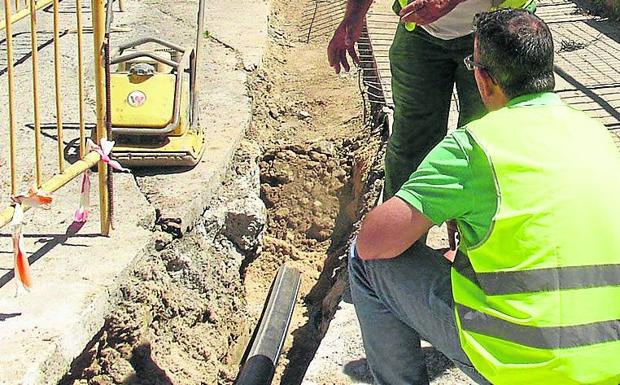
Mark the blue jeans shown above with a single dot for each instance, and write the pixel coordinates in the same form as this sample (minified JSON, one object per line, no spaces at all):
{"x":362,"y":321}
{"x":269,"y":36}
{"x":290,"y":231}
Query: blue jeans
{"x":397,"y":302}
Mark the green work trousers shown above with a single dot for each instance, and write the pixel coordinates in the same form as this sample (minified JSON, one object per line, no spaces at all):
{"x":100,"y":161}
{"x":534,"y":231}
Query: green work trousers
{"x":424,"y":71}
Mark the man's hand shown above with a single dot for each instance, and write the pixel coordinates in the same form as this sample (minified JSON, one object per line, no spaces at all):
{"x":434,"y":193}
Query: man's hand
{"x":423,"y":12}
{"x":453,"y":240}
{"x":343,"y":41}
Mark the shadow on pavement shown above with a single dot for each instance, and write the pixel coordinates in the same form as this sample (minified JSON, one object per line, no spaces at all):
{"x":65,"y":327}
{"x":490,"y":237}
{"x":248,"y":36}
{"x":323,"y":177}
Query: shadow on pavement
{"x":49,"y":244}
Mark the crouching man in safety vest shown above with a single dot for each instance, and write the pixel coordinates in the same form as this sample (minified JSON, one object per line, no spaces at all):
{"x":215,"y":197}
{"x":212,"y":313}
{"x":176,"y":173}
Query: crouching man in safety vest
{"x":533,"y":296}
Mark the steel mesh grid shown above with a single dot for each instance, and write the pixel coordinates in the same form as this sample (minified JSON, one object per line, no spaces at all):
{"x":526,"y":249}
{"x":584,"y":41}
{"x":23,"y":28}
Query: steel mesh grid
{"x":321,"y":17}
{"x":381,"y":28}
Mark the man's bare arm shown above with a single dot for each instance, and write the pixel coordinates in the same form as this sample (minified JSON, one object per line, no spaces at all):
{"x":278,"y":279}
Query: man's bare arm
{"x":347,"y":34}
{"x":390,"y":229}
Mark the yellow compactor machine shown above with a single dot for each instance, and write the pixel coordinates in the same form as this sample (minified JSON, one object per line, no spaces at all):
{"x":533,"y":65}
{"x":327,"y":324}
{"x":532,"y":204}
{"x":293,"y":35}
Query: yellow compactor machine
{"x":153,"y":92}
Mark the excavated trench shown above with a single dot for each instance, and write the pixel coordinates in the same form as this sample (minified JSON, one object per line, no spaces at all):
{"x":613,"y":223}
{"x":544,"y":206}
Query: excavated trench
{"x":187,"y":313}
{"x":309,"y":169}
{"x":314,"y":195}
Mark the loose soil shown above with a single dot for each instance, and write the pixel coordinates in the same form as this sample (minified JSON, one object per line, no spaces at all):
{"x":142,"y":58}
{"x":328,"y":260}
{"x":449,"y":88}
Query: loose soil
{"x":317,"y":155}
{"x":188,"y":310}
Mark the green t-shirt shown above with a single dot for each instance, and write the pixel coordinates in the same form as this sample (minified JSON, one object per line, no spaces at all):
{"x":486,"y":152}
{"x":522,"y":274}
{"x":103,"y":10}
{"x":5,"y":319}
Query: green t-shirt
{"x":455,"y":181}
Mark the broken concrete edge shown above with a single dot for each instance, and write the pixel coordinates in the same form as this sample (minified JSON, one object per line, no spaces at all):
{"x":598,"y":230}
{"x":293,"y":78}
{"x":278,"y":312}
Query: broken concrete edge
{"x":177,"y":223}
{"x":197,"y":205}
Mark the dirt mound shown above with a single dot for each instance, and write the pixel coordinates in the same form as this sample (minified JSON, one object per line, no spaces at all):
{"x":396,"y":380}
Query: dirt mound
{"x":175,"y":323}
{"x":304,"y":184}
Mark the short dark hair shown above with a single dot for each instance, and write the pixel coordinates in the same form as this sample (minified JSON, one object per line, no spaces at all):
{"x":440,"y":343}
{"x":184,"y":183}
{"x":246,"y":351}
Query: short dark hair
{"x":516,"y":48}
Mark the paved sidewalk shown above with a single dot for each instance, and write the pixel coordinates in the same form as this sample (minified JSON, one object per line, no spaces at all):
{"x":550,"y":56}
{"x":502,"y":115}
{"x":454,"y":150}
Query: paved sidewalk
{"x":587,"y":77}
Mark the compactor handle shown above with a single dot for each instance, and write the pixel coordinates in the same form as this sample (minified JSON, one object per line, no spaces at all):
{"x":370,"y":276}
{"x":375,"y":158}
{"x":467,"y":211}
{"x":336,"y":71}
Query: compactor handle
{"x":145,"y":40}
{"x":137,"y":54}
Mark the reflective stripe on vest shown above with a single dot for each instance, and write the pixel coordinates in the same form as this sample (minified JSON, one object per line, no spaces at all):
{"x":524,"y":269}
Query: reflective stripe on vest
{"x":553,"y":337}
{"x":538,"y":300}
{"x":537,"y":280}
{"x":525,"y":4}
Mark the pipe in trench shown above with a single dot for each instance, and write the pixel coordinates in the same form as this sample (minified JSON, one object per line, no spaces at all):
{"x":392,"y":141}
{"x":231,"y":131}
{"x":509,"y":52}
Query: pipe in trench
{"x":260,"y":366}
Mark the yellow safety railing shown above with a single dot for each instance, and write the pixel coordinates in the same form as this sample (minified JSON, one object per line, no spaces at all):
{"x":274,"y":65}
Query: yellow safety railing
{"x":23,"y":8}
{"x":14,"y":11}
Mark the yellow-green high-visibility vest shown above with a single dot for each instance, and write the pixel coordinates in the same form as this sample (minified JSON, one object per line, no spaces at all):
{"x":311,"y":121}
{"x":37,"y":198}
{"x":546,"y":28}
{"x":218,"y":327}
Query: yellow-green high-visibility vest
{"x":538,"y":302}
{"x":525,"y":4}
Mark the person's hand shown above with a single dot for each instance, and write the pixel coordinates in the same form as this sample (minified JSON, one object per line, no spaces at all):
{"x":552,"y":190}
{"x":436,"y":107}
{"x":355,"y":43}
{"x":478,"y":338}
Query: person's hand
{"x":343,"y":42}
{"x":448,"y":254}
{"x":423,"y":12}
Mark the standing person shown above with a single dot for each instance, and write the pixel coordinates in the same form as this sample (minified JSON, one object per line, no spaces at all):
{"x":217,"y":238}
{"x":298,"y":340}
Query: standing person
{"x":533,"y":296}
{"x":426,"y":61}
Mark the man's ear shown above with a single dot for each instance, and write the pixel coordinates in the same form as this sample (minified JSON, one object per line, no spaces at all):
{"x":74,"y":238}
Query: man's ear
{"x":486,"y":85}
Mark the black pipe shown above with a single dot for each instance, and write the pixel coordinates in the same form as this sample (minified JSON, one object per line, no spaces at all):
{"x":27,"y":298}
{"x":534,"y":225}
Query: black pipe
{"x":273,"y":326}
{"x":257,"y":370}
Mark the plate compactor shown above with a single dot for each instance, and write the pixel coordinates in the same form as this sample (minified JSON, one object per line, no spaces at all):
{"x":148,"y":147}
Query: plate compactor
{"x":153,"y":98}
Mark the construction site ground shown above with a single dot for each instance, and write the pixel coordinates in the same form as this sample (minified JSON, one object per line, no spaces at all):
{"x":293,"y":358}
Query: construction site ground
{"x":292,"y":163}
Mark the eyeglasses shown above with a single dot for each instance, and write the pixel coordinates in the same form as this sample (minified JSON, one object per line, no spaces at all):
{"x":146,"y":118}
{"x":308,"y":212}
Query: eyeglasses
{"x":471,"y":64}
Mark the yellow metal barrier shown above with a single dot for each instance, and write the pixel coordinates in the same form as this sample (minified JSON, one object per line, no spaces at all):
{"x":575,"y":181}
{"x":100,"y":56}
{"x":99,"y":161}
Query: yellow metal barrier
{"x":14,"y":12}
{"x":23,"y":9}
{"x":57,"y":182}
{"x":98,"y":15}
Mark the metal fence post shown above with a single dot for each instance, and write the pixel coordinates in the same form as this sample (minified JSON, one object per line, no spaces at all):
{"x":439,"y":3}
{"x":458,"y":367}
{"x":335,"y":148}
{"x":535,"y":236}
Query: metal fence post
{"x":57,"y":88}
{"x":11,"y":89}
{"x":87,"y":161}
{"x":35,"y":92}
{"x":98,"y":18}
